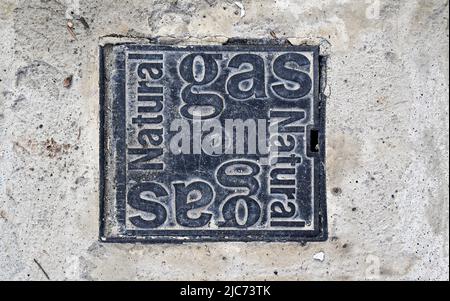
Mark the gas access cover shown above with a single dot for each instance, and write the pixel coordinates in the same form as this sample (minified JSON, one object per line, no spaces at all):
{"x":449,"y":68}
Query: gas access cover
{"x":211,"y":143}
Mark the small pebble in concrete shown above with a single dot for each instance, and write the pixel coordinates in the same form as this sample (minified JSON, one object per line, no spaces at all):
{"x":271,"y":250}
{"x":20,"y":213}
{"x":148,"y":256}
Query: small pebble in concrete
{"x":68,"y":81}
{"x":319,"y":256}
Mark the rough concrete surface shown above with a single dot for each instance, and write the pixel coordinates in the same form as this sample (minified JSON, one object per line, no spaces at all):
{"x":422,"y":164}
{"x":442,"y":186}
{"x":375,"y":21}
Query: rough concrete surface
{"x":387,"y":138}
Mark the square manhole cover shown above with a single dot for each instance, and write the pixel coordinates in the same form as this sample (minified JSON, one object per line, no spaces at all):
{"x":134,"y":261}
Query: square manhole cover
{"x":211,"y":143}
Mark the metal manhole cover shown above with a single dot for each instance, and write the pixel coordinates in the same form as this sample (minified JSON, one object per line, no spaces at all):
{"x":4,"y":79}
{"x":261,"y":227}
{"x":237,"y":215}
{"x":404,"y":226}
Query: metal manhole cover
{"x":211,"y":143}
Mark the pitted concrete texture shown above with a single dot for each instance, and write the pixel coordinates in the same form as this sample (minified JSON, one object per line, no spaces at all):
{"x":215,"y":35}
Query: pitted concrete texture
{"x":387,"y":138}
